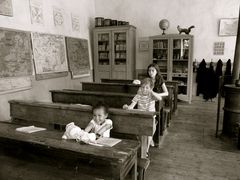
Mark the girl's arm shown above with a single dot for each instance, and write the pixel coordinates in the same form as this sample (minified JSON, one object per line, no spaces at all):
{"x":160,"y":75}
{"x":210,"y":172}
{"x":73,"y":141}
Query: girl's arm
{"x":103,"y":129}
{"x":131,"y":106}
{"x":89,"y":127}
{"x":159,"y":96}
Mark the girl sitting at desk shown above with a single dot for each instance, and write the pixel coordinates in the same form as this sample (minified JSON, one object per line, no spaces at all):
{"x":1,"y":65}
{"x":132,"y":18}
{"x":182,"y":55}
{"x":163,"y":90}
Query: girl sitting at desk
{"x":100,"y":125}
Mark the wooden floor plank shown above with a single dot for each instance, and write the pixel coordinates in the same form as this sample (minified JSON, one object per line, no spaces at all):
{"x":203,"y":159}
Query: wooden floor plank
{"x":191,"y":151}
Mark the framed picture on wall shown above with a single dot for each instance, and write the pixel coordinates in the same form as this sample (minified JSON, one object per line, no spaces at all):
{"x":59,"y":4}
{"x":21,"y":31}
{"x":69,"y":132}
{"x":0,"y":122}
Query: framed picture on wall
{"x":143,"y":46}
{"x":218,"y":48}
{"x":228,"y":27}
{"x":6,"y":8}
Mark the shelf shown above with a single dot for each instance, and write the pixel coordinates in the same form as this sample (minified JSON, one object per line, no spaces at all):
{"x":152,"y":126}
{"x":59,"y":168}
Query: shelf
{"x":159,"y":59}
{"x":160,"y":48}
{"x":120,"y":59}
{"x":120,"y":40}
{"x":183,"y":60}
{"x":120,"y":50}
{"x":103,"y":59}
{"x":103,"y":40}
{"x":102,"y":51}
{"x":180,"y":48}
{"x":179,"y":75}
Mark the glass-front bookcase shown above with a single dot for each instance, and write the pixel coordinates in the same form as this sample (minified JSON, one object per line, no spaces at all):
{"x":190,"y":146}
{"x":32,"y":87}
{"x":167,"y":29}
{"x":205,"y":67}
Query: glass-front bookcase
{"x":114,"y":52}
{"x":173,"y":53}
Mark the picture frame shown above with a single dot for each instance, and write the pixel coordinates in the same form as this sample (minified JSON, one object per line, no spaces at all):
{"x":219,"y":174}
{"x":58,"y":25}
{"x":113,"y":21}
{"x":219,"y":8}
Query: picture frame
{"x":228,"y":27}
{"x":143,"y":46}
{"x":218,"y":48}
{"x":6,"y":8}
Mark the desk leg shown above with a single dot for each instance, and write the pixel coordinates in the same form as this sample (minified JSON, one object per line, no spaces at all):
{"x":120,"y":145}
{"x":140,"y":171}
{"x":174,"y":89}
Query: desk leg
{"x":134,"y":170}
{"x":144,"y":146}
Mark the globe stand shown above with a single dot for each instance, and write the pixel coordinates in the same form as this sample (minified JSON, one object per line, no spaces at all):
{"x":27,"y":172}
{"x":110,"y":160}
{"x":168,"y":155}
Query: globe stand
{"x":164,"y":32}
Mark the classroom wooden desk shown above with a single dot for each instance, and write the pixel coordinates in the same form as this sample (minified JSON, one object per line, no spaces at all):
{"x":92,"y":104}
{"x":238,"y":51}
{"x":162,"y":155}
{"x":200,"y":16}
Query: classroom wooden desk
{"x":102,"y":162}
{"x":122,"y":81}
{"x":110,"y":87}
{"x":57,"y":115}
{"x":115,"y":100}
{"x":169,"y":85}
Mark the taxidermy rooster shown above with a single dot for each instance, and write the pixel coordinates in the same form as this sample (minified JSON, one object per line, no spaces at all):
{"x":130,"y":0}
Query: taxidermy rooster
{"x":185,"y":30}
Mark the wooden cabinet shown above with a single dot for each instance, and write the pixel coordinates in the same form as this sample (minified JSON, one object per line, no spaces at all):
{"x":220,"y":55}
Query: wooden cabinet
{"x":114,"y":52}
{"x":174,"y":53}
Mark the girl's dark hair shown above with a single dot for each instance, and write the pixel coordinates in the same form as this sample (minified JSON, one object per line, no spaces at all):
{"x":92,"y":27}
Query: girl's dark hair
{"x":158,"y":80}
{"x":100,"y":105}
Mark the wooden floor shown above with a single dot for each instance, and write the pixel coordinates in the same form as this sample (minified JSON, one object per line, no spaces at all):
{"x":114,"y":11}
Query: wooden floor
{"x":190,"y":151}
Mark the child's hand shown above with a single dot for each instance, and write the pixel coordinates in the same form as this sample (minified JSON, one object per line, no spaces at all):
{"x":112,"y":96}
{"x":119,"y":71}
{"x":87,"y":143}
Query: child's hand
{"x":125,"y":106}
{"x":159,"y":97}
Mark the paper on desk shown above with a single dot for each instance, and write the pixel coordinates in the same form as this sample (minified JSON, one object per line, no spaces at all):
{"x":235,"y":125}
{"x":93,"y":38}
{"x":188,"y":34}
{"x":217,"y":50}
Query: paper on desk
{"x":110,"y":142}
{"x":30,"y":129}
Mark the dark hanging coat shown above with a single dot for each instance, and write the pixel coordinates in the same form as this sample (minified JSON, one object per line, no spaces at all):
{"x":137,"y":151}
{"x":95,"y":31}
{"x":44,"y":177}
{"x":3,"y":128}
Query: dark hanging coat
{"x":201,"y":77}
{"x":219,"y":71}
{"x":219,"y":68}
{"x":228,"y":68}
{"x":228,"y":73}
{"x":210,"y":90}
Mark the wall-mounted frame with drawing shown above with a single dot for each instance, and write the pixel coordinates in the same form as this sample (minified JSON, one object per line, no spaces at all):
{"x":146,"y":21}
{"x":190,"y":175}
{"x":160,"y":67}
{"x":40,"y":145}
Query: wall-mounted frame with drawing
{"x":228,"y":27}
{"x":143,"y":45}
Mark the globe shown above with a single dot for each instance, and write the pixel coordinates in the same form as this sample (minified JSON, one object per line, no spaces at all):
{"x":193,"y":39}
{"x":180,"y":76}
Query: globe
{"x":164,"y":25}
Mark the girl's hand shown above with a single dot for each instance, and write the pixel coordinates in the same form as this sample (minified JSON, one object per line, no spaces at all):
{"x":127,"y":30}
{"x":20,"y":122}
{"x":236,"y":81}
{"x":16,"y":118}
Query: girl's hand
{"x":159,"y":98}
{"x":125,"y":106}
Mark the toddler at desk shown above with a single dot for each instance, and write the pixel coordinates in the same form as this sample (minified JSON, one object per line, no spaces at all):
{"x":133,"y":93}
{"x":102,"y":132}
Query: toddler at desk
{"x":99,"y":126}
{"x":145,"y":100}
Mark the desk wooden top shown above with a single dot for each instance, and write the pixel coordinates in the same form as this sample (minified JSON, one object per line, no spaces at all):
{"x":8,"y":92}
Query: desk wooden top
{"x":107,"y":94}
{"x":83,"y":107}
{"x":52,"y":139}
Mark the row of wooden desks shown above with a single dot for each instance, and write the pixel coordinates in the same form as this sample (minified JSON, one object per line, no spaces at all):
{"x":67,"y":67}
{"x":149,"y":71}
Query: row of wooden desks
{"x":48,"y":148}
{"x":55,"y":115}
{"x":112,"y":99}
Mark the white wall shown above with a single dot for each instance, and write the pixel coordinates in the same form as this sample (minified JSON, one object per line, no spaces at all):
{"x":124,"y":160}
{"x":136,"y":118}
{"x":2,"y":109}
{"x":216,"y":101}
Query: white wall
{"x":204,"y":14}
{"x":85,"y":9}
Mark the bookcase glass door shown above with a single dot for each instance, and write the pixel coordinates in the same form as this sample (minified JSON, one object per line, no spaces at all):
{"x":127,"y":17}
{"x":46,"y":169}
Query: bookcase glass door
{"x":104,"y":49}
{"x":180,"y":61}
{"x":120,"y":48}
{"x":119,"y":60}
{"x":160,"y":55}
